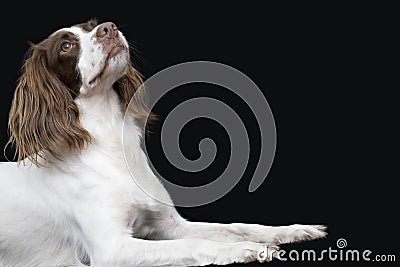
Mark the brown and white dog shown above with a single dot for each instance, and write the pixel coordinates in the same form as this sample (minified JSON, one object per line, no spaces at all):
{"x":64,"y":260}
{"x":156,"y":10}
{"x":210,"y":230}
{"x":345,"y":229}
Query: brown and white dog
{"x":70,"y":199}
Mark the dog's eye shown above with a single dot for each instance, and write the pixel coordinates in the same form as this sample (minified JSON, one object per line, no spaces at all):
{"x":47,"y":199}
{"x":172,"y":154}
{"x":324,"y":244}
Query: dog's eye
{"x":66,"y":46}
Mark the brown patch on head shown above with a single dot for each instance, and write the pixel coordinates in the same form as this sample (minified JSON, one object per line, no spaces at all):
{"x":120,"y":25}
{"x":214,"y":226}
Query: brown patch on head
{"x":88,"y":26}
{"x":63,"y":63}
{"x":44,"y":119}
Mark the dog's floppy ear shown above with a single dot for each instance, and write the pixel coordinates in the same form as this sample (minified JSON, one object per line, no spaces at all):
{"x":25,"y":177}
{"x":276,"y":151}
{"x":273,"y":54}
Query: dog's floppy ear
{"x":132,"y":92}
{"x":43,"y":120}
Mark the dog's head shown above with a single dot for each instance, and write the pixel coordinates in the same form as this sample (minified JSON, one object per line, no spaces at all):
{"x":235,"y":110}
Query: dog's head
{"x":81,"y":60}
{"x":86,"y":55}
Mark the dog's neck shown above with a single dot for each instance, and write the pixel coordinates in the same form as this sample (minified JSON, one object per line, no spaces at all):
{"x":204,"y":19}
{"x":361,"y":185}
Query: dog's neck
{"x":99,"y":112}
{"x":103,"y":117}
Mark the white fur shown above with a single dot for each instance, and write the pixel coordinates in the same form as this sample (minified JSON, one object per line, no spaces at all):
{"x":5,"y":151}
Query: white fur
{"x":88,"y":204}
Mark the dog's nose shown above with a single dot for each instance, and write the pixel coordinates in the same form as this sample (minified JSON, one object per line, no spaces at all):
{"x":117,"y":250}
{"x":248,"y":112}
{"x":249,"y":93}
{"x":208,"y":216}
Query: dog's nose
{"x":107,"y":29}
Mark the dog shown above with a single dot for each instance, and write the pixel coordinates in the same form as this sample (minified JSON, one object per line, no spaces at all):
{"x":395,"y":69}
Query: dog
{"x":69,"y":199}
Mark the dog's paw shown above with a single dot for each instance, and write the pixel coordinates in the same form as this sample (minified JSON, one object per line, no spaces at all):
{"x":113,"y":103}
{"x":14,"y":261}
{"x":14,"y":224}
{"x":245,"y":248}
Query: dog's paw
{"x":298,"y":233}
{"x":252,"y":252}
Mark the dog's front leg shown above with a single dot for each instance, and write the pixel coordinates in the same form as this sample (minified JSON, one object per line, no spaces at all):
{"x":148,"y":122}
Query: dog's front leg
{"x":234,"y":232}
{"x":109,"y":242}
{"x":164,"y":222}
{"x":128,"y":251}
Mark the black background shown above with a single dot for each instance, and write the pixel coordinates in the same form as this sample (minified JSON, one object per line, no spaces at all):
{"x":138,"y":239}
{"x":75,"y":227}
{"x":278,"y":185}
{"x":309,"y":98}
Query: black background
{"x":326,"y":73}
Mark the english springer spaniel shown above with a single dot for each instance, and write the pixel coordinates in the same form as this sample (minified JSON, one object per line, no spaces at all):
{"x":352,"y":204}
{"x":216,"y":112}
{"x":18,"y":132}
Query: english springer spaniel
{"x":69,"y":198}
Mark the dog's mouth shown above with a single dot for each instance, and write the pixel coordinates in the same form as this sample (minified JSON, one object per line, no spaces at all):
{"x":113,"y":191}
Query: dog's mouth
{"x":115,"y":50}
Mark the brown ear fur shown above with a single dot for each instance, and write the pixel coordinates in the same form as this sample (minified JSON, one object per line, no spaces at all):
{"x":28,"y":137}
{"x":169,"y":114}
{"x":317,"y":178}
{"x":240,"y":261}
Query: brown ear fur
{"x":132,"y":92}
{"x":43,"y":120}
